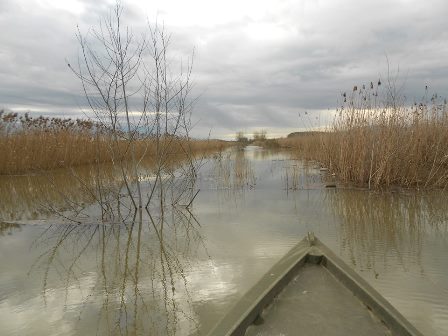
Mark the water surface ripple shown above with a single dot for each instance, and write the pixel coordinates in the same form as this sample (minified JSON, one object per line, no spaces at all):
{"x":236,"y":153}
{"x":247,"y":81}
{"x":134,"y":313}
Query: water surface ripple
{"x":177,"y":272}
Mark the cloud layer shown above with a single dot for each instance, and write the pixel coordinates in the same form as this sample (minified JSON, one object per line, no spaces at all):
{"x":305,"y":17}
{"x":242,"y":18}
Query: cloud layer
{"x":259,"y":64}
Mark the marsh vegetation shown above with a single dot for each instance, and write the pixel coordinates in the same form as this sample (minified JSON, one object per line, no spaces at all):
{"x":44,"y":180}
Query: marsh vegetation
{"x":136,"y":147}
{"x":34,"y":144}
{"x":378,"y":140}
{"x":176,"y":269}
{"x":123,"y":224}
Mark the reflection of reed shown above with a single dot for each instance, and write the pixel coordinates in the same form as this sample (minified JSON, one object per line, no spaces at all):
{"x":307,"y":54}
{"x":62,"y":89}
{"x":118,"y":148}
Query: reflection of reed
{"x":263,"y":153}
{"x":141,"y":253}
{"x":374,"y":225}
{"x":141,"y":287}
{"x":243,"y":173}
{"x":8,"y":228}
{"x":98,"y":187}
{"x":233,"y":170}
{"x":26,"y":197}
{"x":299,"y":175}
{"x":292,"y":177}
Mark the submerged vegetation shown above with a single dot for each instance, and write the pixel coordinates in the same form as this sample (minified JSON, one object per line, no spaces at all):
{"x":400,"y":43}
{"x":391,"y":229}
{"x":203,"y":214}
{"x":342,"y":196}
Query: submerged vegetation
{"x":378,"y":140}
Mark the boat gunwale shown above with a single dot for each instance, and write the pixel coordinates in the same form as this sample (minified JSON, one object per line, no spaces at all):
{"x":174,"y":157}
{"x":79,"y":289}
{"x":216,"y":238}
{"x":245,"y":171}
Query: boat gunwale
{"x":251,"y":305}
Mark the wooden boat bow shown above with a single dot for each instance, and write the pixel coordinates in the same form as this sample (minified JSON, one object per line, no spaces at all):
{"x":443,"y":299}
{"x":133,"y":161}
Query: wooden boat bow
{"x":310,"y":251}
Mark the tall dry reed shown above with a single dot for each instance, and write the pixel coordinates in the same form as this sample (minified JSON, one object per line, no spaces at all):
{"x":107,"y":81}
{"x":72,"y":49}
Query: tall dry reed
{"x":30,"y":144}
{"x":377,"y":140}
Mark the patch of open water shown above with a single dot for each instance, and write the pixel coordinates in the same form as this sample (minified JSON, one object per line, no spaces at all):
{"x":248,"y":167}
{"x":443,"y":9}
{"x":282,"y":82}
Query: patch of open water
{"x":178,"y":273}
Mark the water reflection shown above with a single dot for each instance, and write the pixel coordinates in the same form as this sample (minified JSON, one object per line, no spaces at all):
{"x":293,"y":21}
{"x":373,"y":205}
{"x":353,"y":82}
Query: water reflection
{"x":398,"y":241}
{"x":373,"y":224}
{"x":34,"y":197}
{"x":176,"y":266}
{"x":8,"y":228}
{"x":138,"y":284}
{"x":120,"y":270}
{"x":299,"y":175}
{"x":233,"y":170}
{"x":93,"y":193}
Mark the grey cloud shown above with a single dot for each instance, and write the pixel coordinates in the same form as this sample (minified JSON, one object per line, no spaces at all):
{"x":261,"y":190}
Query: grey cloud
{"x":329,"y":46}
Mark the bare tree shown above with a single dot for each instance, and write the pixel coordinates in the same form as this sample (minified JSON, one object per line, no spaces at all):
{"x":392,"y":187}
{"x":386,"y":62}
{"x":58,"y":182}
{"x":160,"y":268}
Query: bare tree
{"x":134,"y":93}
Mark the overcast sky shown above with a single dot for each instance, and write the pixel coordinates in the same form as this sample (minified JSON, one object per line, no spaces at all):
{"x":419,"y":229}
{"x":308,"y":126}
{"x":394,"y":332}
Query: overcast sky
{"x":259,"y":64}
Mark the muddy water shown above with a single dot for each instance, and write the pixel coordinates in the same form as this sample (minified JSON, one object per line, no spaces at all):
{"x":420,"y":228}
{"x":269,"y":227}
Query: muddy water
{"x":176,"y":271}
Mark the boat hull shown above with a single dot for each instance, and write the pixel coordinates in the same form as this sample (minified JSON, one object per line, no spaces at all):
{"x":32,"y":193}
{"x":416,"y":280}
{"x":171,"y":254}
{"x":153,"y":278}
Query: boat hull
{"x":314,"y":309}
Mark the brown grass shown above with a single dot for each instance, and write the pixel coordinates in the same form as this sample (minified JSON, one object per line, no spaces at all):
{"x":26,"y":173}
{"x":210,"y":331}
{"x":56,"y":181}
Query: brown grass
{"x":379,"y":141}
{"x":28,"y":144}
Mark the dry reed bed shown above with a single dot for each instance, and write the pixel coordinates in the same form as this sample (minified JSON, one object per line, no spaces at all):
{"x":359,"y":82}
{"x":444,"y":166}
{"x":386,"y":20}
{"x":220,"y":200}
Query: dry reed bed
{"x":381,"y":142}
{"x":29,"y":144}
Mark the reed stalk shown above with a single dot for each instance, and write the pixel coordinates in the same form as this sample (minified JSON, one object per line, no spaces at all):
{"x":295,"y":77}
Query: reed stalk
{"x":377,"y":140}
{"x":29,"y":144}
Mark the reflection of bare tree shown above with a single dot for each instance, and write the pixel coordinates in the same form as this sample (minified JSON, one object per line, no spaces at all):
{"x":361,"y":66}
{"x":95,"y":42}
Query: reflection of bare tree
{"x":27,"y":197}
{"x":141,"y":265}
{"x":91,"y":191}
{"x":377,"y":224}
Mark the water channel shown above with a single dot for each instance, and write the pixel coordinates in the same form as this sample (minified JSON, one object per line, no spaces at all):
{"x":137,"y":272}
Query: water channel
{"x":177,"y":271}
